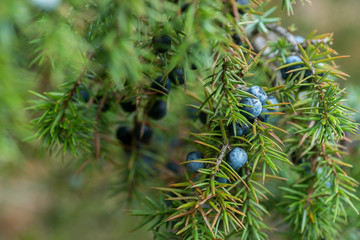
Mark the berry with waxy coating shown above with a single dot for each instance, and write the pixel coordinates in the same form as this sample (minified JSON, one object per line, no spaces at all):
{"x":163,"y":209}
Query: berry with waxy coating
{"x":236,"y":158}
{"x":161,"y":43}
{"x":241,"y":129}
{"x":272,"y":99}
{"x":176,"y":76}
{"x":47,"y":5}
{"x":299,"y":39}
{"x":259,"y":93}
{"x":264,"y":117}
{"x":124,"y":135}
{"x":221,"y":180}
{"x":158,"y":110}
{"x":145,"y":135}
{"x":291,"y":59}
{"x":235,"y":37}
{"x":128,"y":104}
{"x":158,"y":84}
{"x":194,"y":166}
{"x":253,"y":110}
{"x":84,"y":95}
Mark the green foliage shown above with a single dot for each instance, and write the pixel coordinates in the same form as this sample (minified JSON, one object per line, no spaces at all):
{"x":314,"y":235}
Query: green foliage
{"x":107,"y":49}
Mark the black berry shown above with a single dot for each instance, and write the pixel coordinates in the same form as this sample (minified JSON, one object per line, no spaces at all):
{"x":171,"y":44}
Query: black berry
{"x":158,"y":84}
{"x":143,"y":132}
{"x":158,"y":110}
{"x":161,"y":43}
{"x":128,"y":104}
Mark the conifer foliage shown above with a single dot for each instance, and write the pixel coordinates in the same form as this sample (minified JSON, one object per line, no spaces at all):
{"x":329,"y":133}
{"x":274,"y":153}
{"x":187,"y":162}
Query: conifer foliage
{"x":211,"y":103}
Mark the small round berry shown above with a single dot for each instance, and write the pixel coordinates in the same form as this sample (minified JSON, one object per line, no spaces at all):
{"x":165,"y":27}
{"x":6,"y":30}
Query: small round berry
{"x":264,"y":117}
{"x":299,"y":39}
{"x":203,"y":117}
{"x":221,"y":180}
{"x":291,"y":59}
{"x":241,"y":129}
{"x":124,"y":135}
{"x":84,"y":95}
{"x":128,"y":104}
{"x":158,"y":110}
{"x":236,"y":158}
{"x":236,"y":39}
{"x":273,"y":101}
{"x":259,"y":93}
{"x":46,"y":5}
{"x":176,"y":76}
{"x":193,"y":67}
{"x":143,"y":132}
{"x":161,"y":43}
{"x":158,"y":84}
{"x":194,"y":166}
{"x":253,"y":110}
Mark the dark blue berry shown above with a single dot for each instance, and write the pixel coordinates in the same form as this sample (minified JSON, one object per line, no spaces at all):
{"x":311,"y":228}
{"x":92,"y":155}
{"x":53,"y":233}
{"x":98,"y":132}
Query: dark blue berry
{"x":84,"y":95}
{"x":221,"y":180}
{"x":273,"y":101}
{"x":176,"y":76}
{"x":194,"y":166}
{"x":263,"y":116}
{"x":236,"y":158}
{"x":145,"y":135}
{"x":253,"y":110}
{"x":241,"y":129}
{"x":158,"y":110}
{"x":158,"y":84}
{"x":259,"y":93}
{"x":236,"y":39}
{"x":124,"y":135}
{"x":161,"y":43}
{"x":128,"y":104}
{"x":299,"y":39}
{"x":291,"y":59}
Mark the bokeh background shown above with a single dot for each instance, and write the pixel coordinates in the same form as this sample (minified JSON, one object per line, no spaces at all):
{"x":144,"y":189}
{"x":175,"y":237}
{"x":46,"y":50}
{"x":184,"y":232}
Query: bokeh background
{"x":41,"y":196}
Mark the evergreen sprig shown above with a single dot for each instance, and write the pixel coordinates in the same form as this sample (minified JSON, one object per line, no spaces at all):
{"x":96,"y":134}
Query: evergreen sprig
{"x":127,"y":52}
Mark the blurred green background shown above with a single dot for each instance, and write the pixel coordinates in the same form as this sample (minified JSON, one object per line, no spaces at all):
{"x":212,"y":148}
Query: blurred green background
{"x":41,"y":197}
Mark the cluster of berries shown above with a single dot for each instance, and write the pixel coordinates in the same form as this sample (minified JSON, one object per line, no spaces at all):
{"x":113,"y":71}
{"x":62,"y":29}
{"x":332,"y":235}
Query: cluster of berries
{"x":157,"y":109}
{"x":252,"y":108}
{"x":236,"y":158}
